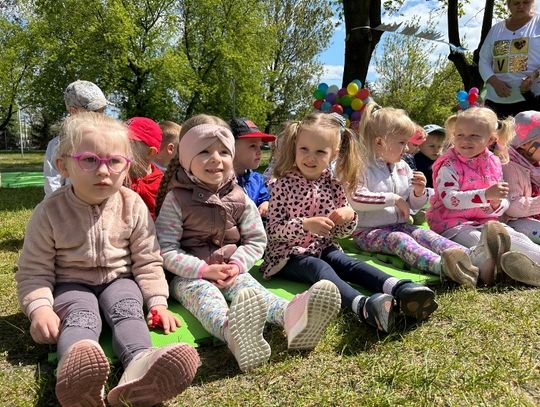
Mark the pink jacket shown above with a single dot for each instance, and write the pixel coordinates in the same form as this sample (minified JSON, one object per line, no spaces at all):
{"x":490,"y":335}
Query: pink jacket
{"x":460,"y":190}
{"x":293,"y":199}
{"x":522,"y":203}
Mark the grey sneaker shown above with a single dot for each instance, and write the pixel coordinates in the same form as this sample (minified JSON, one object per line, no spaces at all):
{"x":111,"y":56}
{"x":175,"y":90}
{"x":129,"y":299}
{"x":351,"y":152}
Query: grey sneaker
{"x":457,"y":266}
{"x":494,"y":242}
{"x":521,"y":267}
{"x":308,"y":314}
{"x":156,"y":375}
{"x":81,"y":375}
{"x":378,"y":311}
{"x":244,"y":330}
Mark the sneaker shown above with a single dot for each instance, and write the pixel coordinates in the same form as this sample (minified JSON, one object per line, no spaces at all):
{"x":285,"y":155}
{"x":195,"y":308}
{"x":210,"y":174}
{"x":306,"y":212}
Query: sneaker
{"x":378,"y":311}
{"x":244,"y":330}
{"x":156,"y":375}
{"x":415,"y":300}
{"x":81,"y":375}
{"x":308,"y":314}
{"x":521,"y":267}
{"x":494,"y":242}
{"x":457,"y":266}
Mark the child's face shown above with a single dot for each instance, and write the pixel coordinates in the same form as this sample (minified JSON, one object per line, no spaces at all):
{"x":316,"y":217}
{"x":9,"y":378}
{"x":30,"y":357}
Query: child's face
{"x":431,"y":148}
{"x":247,"y":155}
{"x":213,"y":166}
{"x":471,"y":137}
{"x":94,"y":186}
{"x":390,"y":150}
{"x":315,"y":149}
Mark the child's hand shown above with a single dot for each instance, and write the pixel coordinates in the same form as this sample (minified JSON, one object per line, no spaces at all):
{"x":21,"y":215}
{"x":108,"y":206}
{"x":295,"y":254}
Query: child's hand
{"x":233,"y":273}
{"x":263,"y":209}
{"x":497,"y":191}
{"x":418,"y":182}
{"x":166,"y":319}
{"x":45,"y":325}
{"x":320,"y":225}
{"x":216,"y":272}
{"x":341,"y":215}
{"x":403,"y":207}
{"x":528,"y":81}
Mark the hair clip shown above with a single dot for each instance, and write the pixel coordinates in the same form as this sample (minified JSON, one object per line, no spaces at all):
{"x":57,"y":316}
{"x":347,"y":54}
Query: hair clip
{"x":340,"y":120}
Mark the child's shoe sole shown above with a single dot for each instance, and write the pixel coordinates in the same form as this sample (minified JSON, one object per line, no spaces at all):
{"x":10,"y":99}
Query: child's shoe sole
{"x":247,"y":317}
{"x":170,"y":374}
{"x":495,"y":237}
{"x":457,"y":267}
{"x":417,"y":301}
{"x":521,"y":268}
{"x":323,"y":306}
{"x":82,"y":376}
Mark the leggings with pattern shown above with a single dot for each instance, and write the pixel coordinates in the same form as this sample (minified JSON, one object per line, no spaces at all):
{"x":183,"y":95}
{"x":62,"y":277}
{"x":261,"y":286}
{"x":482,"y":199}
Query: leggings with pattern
{"x":420,"y":248}
{"x":208,"y":303}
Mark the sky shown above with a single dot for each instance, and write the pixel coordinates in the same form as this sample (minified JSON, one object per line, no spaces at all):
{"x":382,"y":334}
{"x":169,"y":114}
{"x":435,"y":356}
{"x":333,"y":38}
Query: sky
{"x":470,"y":25}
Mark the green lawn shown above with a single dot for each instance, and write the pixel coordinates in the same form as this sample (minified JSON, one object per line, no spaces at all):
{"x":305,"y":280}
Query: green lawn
{"x":480,"y":348}
{"x":13,"y":161}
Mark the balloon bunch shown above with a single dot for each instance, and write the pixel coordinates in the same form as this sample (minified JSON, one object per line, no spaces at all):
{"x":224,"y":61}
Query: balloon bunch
{"x":466,"y":100}
{"x":348,"y":102}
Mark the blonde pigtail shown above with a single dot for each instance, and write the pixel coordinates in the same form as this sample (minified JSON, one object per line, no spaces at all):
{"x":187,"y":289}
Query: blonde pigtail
{"x":165,"y":181}
{"x":287,"y":141}
{"x":505,"y":134}
{"x":350,"y":163}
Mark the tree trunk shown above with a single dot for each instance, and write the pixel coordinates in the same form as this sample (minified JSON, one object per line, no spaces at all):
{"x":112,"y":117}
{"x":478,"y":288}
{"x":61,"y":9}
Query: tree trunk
{"x":360,"y":40}
{"x":468,"y":71}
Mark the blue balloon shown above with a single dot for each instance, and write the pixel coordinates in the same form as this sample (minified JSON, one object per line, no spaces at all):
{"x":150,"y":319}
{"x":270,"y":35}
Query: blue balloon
{"x":358,"y":82}
{"x":464,"y":104}
{"x":326,"y":106}
{"x":323,"y":86}
{"x":462,"y":95}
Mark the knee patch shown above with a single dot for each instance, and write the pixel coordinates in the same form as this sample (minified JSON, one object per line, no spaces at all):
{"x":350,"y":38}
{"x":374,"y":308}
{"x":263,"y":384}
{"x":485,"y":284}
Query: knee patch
{"x":128,"y":308}
{"x":81,"y":319}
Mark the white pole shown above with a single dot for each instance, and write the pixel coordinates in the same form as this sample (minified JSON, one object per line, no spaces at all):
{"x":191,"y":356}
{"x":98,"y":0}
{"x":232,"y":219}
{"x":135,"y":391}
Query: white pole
{"x":20,"y":131}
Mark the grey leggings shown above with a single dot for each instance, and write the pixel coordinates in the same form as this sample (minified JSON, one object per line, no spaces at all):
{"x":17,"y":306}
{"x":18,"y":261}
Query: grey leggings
{"x":78,"y":307}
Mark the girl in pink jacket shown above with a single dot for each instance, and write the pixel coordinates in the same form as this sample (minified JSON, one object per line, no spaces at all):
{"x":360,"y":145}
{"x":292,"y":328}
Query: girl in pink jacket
{"x":522,"y":173}
{"x":470,"y":195}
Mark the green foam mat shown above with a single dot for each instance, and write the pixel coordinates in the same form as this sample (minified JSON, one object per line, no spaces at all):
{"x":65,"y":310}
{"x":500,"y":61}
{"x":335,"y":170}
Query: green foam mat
{"x":192,"y":332}
{"x":21,"y":179}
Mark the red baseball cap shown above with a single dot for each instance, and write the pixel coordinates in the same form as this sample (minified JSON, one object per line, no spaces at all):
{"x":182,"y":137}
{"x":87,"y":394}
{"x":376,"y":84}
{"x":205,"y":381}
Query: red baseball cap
{"x":145,"y":130}
{"x":245,"y":128}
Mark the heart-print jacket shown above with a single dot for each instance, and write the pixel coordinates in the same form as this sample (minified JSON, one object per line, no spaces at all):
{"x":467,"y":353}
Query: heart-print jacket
{"x":460,"y":191}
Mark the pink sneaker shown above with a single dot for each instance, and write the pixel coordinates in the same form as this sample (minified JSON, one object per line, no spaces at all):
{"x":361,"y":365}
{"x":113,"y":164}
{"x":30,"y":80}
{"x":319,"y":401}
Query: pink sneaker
{"x":308,"y":314}
{"x":156,"y":375}
{"x":81,"y":375}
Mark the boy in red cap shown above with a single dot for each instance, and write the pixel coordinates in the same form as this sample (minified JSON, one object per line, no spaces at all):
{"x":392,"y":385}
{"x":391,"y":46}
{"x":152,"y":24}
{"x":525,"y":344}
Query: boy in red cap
{"x":248,"y":141}
{"x":145,"y":135}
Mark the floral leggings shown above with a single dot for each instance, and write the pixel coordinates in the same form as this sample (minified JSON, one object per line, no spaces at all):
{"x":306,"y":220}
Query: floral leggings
{"x":208,"y":303}
{"x":420,"y":248}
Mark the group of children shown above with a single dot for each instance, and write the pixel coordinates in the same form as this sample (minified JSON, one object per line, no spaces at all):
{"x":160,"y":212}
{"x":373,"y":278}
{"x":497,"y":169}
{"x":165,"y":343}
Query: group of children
{"x":328,"y":182}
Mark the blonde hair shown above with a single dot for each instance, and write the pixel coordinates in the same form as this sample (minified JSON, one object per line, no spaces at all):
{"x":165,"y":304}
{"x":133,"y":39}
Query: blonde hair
{"x":502,"y":129}
{"x":175,"y":161}
{"x":349,"y":164}
{"x":74,"y":128}
{"x":384,"y":122}
{"x":171,"y":132}
{"x":140,"y":162}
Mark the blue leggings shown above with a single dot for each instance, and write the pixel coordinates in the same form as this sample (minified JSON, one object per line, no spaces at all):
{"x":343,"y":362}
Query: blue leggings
{"x":336,"y":266}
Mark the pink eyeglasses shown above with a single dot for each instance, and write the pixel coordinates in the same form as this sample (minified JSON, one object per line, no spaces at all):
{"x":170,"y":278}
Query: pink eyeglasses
{"x":91,"y":162}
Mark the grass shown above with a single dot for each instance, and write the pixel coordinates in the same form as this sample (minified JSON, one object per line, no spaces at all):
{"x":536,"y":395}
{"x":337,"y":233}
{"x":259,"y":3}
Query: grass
{"x":480,"y":348}
{"x":13,"y":161}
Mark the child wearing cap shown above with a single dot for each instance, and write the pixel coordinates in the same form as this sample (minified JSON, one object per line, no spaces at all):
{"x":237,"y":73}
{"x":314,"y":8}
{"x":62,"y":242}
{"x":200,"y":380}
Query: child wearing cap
{"x":145,"y":135}
{"x":523,"y":176}
{"x":429,"y":151}
{"x":413,"y":146}
{"x":169,"y":144}
{"x":248,"y":141}
{"x":79,"y":96}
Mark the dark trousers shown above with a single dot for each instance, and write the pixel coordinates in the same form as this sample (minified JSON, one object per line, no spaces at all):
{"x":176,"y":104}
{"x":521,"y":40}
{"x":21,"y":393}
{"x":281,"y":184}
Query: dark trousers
{"x":336,"y":266}
{"x":504,"y":110}
{"x":121,"y":303}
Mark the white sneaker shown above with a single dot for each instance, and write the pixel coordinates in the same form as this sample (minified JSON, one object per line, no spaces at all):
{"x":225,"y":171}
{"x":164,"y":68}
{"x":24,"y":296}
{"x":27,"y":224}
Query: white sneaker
{"x":457,"y":266}
{"x":308,"y":314}
{"x":156,"y":375}
{"x":521,"y":267}
{"x":494,"y":242}
{"x":81,"y":375}
{"x":244,"y":330}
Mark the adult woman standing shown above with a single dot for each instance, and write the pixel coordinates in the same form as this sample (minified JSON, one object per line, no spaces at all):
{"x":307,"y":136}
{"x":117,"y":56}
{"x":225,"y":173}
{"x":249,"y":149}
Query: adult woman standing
{"x":511,"y":53}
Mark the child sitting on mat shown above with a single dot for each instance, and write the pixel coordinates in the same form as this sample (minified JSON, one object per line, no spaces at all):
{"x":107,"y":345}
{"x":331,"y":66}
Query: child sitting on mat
{"x":105,"y":262}
{"x":309,"y":210}
{"x":211,"y":234}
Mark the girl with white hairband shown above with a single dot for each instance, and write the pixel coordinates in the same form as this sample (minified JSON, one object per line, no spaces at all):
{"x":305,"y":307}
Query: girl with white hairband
{"x":522,"y":173}
{"x":211,"y":234}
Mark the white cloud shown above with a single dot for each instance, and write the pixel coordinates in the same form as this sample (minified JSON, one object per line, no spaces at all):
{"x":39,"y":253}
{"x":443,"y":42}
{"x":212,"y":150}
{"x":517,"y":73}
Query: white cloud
{"x":332,"y":74}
